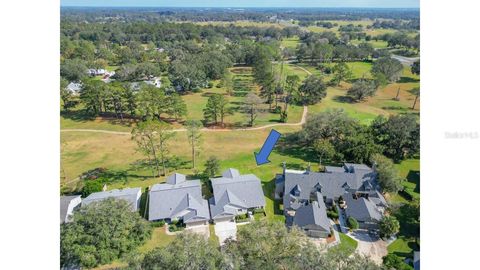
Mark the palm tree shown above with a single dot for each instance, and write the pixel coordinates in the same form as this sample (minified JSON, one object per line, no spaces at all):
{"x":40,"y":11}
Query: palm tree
{"x":415,"y":91}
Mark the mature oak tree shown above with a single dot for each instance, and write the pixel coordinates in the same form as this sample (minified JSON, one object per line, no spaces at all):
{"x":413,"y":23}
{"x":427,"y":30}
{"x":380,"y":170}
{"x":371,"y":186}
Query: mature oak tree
{"x":312,"y":90}
{"x":100,"y":233}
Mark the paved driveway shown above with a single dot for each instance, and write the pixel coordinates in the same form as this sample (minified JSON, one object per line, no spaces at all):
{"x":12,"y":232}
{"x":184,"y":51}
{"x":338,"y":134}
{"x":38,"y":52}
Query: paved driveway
{"x":201,"y":229}
{"x":225,"y":229}
{"x":370,"y":245}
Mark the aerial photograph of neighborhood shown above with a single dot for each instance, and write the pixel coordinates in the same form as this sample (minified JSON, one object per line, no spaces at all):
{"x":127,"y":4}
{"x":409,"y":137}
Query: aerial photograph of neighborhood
{"x":226,"y":137}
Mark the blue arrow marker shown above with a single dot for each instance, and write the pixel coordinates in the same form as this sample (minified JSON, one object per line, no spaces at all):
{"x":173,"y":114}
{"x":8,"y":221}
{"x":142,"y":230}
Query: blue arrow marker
{"x":262,"y":157}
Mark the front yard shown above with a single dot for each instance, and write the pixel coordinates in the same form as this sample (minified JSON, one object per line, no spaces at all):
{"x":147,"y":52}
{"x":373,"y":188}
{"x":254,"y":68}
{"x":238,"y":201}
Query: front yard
{"x":347,"y":243}
{"x":403,"y":247}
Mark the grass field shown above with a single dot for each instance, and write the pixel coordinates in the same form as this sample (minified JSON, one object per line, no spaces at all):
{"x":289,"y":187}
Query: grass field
{"x":242,"y":85}
{"x":290,"y":43}
{"x":86,"y":151}
{"x":382,"y":103}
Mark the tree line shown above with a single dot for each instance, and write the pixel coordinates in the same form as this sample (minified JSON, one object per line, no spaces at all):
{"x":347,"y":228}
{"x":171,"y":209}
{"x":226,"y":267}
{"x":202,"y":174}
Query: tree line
{"x":229,"y":15}
{"x":122,"y":100}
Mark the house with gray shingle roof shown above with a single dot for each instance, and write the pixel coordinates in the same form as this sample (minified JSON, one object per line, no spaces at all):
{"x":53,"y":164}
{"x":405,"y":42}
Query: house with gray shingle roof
{"x":299,"y":189}
{"x":74,"y":87}
{"x":363,"y":210}
{"x":178,"y":198}
{"x":67,"y":205}
{"x":234,"y":194}
{"x":131,"y":195}
{"x":312,"y":218}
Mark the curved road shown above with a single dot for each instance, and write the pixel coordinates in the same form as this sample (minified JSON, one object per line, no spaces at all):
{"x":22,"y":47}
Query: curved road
{"x":302,"y":121}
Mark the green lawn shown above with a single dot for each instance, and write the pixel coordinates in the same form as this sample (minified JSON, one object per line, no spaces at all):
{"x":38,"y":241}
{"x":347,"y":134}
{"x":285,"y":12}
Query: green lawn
{"x":402,"y":247}
{"x":360,"y":69}
{"x":159,"y":239}
{"x":380,"y":104}
{"x":290,"y":43}
{"x":410,"y":170}
{"x":379,"y":44}
{"x":347,"y":243}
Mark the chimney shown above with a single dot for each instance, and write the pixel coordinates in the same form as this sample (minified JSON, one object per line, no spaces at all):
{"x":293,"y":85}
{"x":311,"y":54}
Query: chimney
{"x":284,"y":166}
{"x":308,"y":167}
{"x":374,"y":166}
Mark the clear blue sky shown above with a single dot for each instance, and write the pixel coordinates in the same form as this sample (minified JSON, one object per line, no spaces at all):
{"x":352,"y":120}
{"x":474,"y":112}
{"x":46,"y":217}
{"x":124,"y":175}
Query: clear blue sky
{"x":245,"y":3}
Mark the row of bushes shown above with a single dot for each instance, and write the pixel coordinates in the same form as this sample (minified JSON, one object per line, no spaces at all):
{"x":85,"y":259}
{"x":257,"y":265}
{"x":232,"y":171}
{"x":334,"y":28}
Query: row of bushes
{"x":259,"y":211}
{"x":241,"y":218}
{"x":158,"y":224}
{"x":175,"y":227}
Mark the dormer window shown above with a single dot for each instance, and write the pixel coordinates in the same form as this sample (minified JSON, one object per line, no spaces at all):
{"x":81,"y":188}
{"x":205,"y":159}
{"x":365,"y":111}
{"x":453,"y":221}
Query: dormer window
{"x":296,"y":191}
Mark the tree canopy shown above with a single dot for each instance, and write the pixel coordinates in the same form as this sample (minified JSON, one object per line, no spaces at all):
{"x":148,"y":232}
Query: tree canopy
{"x":312,"y":90}
{"x":187,"y":251}
{"x":100,"y":233}
{"x":399,"y":135}
{"x":388,"y":67}
{"x":388,"y":176}
{"x":362,"y":89}
{"x":389,"y":226}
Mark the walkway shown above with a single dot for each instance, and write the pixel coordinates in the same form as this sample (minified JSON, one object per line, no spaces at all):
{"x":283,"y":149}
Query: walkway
{"x":405,"y":60}
{"x":370,"y":245}
{"x":225,"y":230}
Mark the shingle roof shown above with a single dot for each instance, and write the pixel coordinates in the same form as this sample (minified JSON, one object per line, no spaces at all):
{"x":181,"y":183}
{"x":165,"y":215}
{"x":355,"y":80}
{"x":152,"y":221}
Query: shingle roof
{"x":355,"y":167}
{"x":178,"y":198}
{"x":362,"y":209}
{"x":331,"y":186}
{"x":314,"y":213}
{"x":378,"y":198}
{"x":176,"y":178}
{"x":129,"y":194}
{"x":231,"y":173}
{"x":334,"y":169}
{"x":64,"y":203}
{"x":332,"y":183}
{"x":235,"y":191}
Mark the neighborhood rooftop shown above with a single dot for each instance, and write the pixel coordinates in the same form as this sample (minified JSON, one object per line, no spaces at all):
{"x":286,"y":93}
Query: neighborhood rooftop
{"x":234,"y":193}
{"x":313,"y":216}
{"x":178,"y":198}
{"x":362,"y":209}
{"x":305,"y":194}
{"x":132,"y":195}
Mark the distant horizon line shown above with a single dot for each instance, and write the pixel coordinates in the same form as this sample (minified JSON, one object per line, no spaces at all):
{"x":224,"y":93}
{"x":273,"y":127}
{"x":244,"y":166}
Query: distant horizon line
{"x":235,"y":7}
